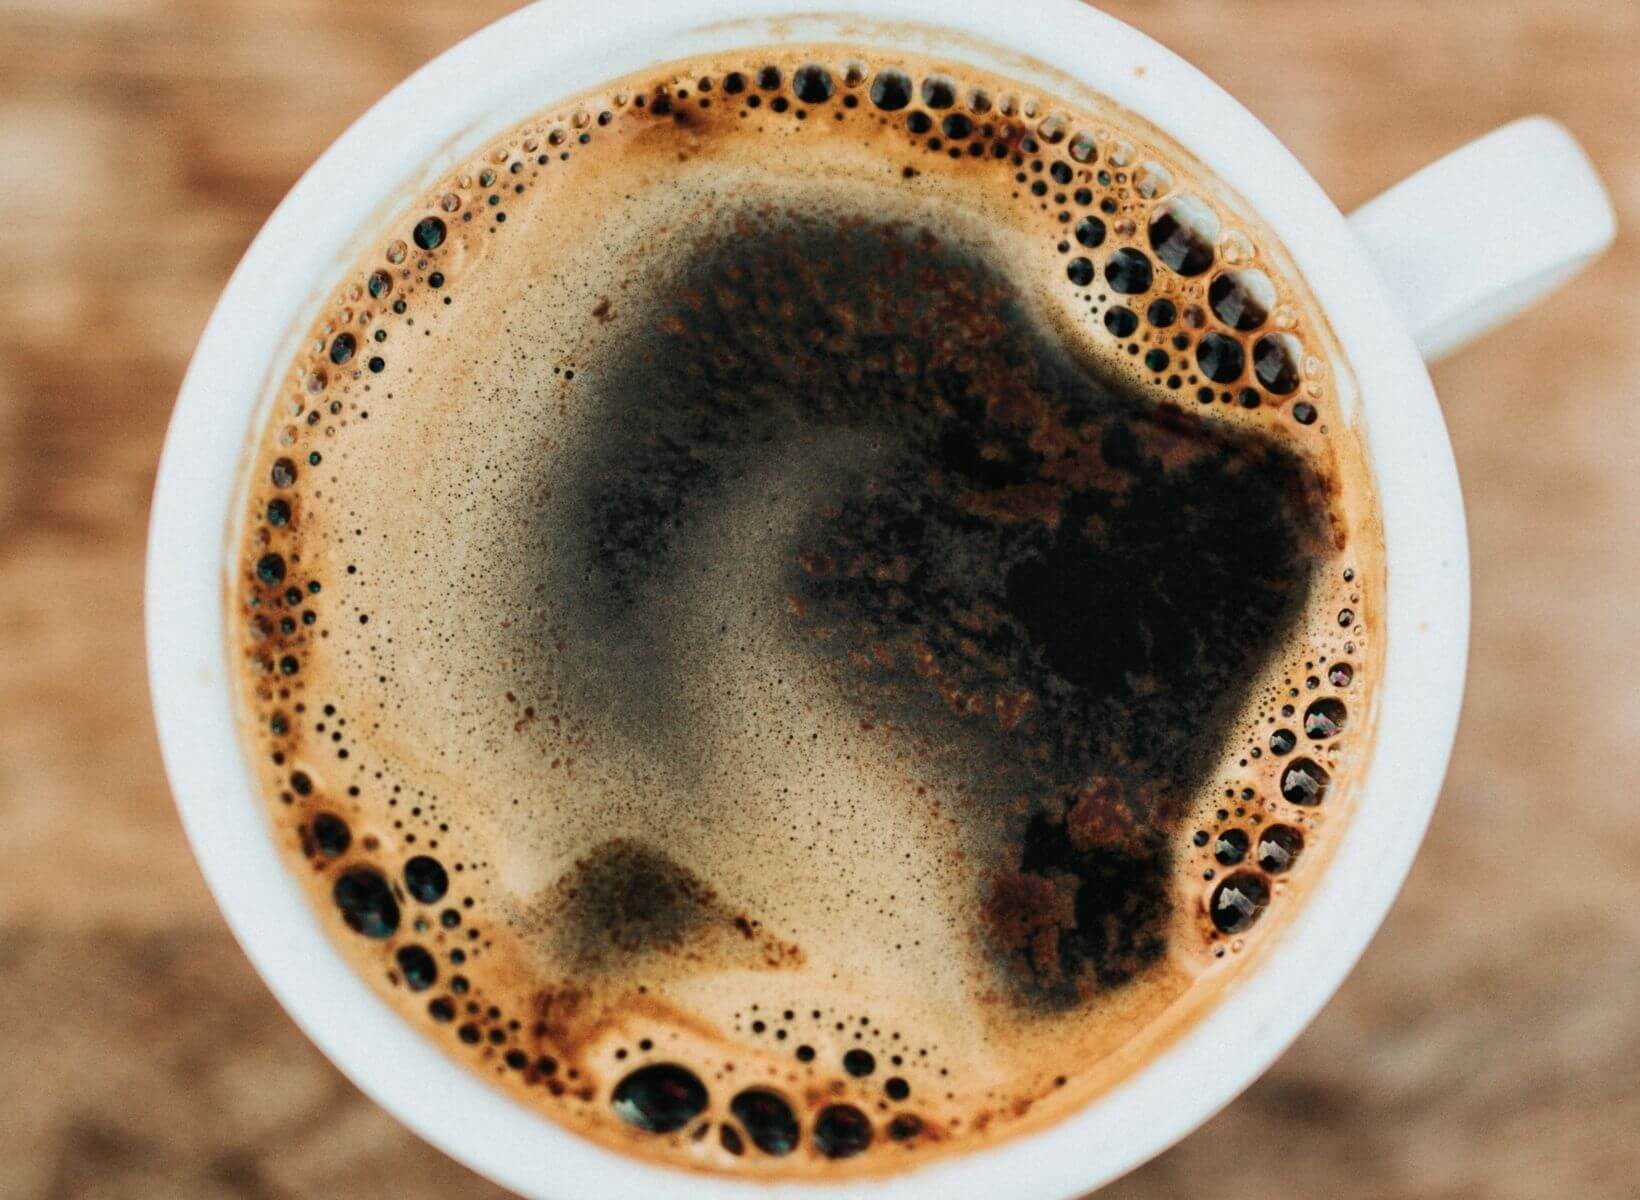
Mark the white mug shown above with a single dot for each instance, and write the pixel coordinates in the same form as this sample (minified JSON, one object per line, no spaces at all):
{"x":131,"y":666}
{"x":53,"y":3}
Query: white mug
{"x":1437,"y":260}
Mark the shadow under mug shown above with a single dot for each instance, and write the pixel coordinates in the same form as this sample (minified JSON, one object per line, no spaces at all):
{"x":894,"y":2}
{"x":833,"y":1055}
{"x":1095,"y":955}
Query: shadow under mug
{"x":1436,"y":260}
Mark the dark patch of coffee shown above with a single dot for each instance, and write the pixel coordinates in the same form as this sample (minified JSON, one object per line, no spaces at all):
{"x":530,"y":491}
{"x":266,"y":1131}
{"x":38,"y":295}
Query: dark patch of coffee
{"x":1042,"y":569}
{"x":626,"y":901}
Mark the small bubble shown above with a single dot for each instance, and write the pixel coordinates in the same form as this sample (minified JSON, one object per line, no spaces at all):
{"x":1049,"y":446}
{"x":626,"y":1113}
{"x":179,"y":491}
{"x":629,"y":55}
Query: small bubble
{"x":891,"y":90}
{"x":426,"y":879}
{"x":938,"y":91}
{"x":1079,"y":271}
{"x":768,"y":1120}
{"x":1128,"y":271}
{"x":1053,"y":128}
{"x":1325,"y":719}
{"x":330,"y":833}
{"x":841,"y":1131}
{"x":1279,"y":847}
{"x":1242,"y":299}
{"x":812,"y":84}
{"x":270,"y":568}
{"x":1231,"y":847}
{"x":1239,"y":901}
{"x":660,"y":1098}
{"x":1122,"y":322}
{"x":428,"y":233}
{"x":1090,"y":231}
{"x":1275,"y":358}
{"x":1181,"y":233}
{"x":904,"y":1127}
{"x":417,"y":967}
{"x":1304,"y":782}
{"x":366,"y":902}
{"x":1151,"y":179}
{"x":1220,"y":358}
{"x":1236,"y":248}
{"x":396,"y":252}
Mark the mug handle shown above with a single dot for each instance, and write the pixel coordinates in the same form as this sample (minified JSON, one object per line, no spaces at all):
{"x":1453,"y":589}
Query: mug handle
{"x":1475,"y":237}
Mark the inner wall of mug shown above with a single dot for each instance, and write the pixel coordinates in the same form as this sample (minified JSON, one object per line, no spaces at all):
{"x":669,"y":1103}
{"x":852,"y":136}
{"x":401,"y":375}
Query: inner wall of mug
{"x":274,"y":921}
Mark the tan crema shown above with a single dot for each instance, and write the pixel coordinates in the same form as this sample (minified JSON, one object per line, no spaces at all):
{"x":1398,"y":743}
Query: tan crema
{"x":818,"y":870}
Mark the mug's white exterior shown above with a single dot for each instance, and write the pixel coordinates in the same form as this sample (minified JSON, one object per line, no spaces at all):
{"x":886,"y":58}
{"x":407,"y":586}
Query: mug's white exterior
{"x":489,"y":83}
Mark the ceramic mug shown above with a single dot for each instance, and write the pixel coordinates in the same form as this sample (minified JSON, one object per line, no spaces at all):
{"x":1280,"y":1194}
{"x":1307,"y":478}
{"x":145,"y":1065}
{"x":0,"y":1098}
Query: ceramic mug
{"x":1436,"y":260}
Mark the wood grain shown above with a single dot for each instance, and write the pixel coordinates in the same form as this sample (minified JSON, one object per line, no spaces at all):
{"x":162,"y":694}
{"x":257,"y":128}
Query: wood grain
{"x":1489,"y":1044}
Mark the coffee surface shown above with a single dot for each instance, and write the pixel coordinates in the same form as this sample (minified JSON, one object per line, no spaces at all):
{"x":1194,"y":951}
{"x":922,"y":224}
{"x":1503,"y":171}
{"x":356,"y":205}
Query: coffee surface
{"x":807,"y":612}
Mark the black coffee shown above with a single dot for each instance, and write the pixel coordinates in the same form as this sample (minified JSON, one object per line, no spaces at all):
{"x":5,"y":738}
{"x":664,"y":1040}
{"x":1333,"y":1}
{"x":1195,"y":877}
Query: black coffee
{"x":803,"y":609}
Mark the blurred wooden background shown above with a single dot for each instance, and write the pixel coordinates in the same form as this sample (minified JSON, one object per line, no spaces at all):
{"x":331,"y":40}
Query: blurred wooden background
{"x":1489,"y":1044}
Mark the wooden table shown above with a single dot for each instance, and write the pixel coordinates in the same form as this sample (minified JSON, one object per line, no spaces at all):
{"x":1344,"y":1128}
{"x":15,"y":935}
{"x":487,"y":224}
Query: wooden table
{"x":1489,"y":1044}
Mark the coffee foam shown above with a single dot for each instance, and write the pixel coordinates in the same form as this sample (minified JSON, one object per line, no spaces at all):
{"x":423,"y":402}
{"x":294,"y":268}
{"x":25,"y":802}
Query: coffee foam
{"x":633,"y":840}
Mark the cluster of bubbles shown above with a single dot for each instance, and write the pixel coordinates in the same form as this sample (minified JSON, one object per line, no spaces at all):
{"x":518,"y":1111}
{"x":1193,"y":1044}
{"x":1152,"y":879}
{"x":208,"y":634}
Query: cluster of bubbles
{"x":1232,"y":341}
{"x":1177,"y":291}
{"x":1258,"y":841}
{"x":666,"y":1097}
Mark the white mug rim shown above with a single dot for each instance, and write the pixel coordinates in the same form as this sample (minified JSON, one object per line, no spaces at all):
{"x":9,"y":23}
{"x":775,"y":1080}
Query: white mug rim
{"x":485,"y":84}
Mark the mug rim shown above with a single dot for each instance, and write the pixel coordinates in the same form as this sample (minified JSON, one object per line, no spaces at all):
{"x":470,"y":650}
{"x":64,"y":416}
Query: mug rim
{"x":310,"y":239}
